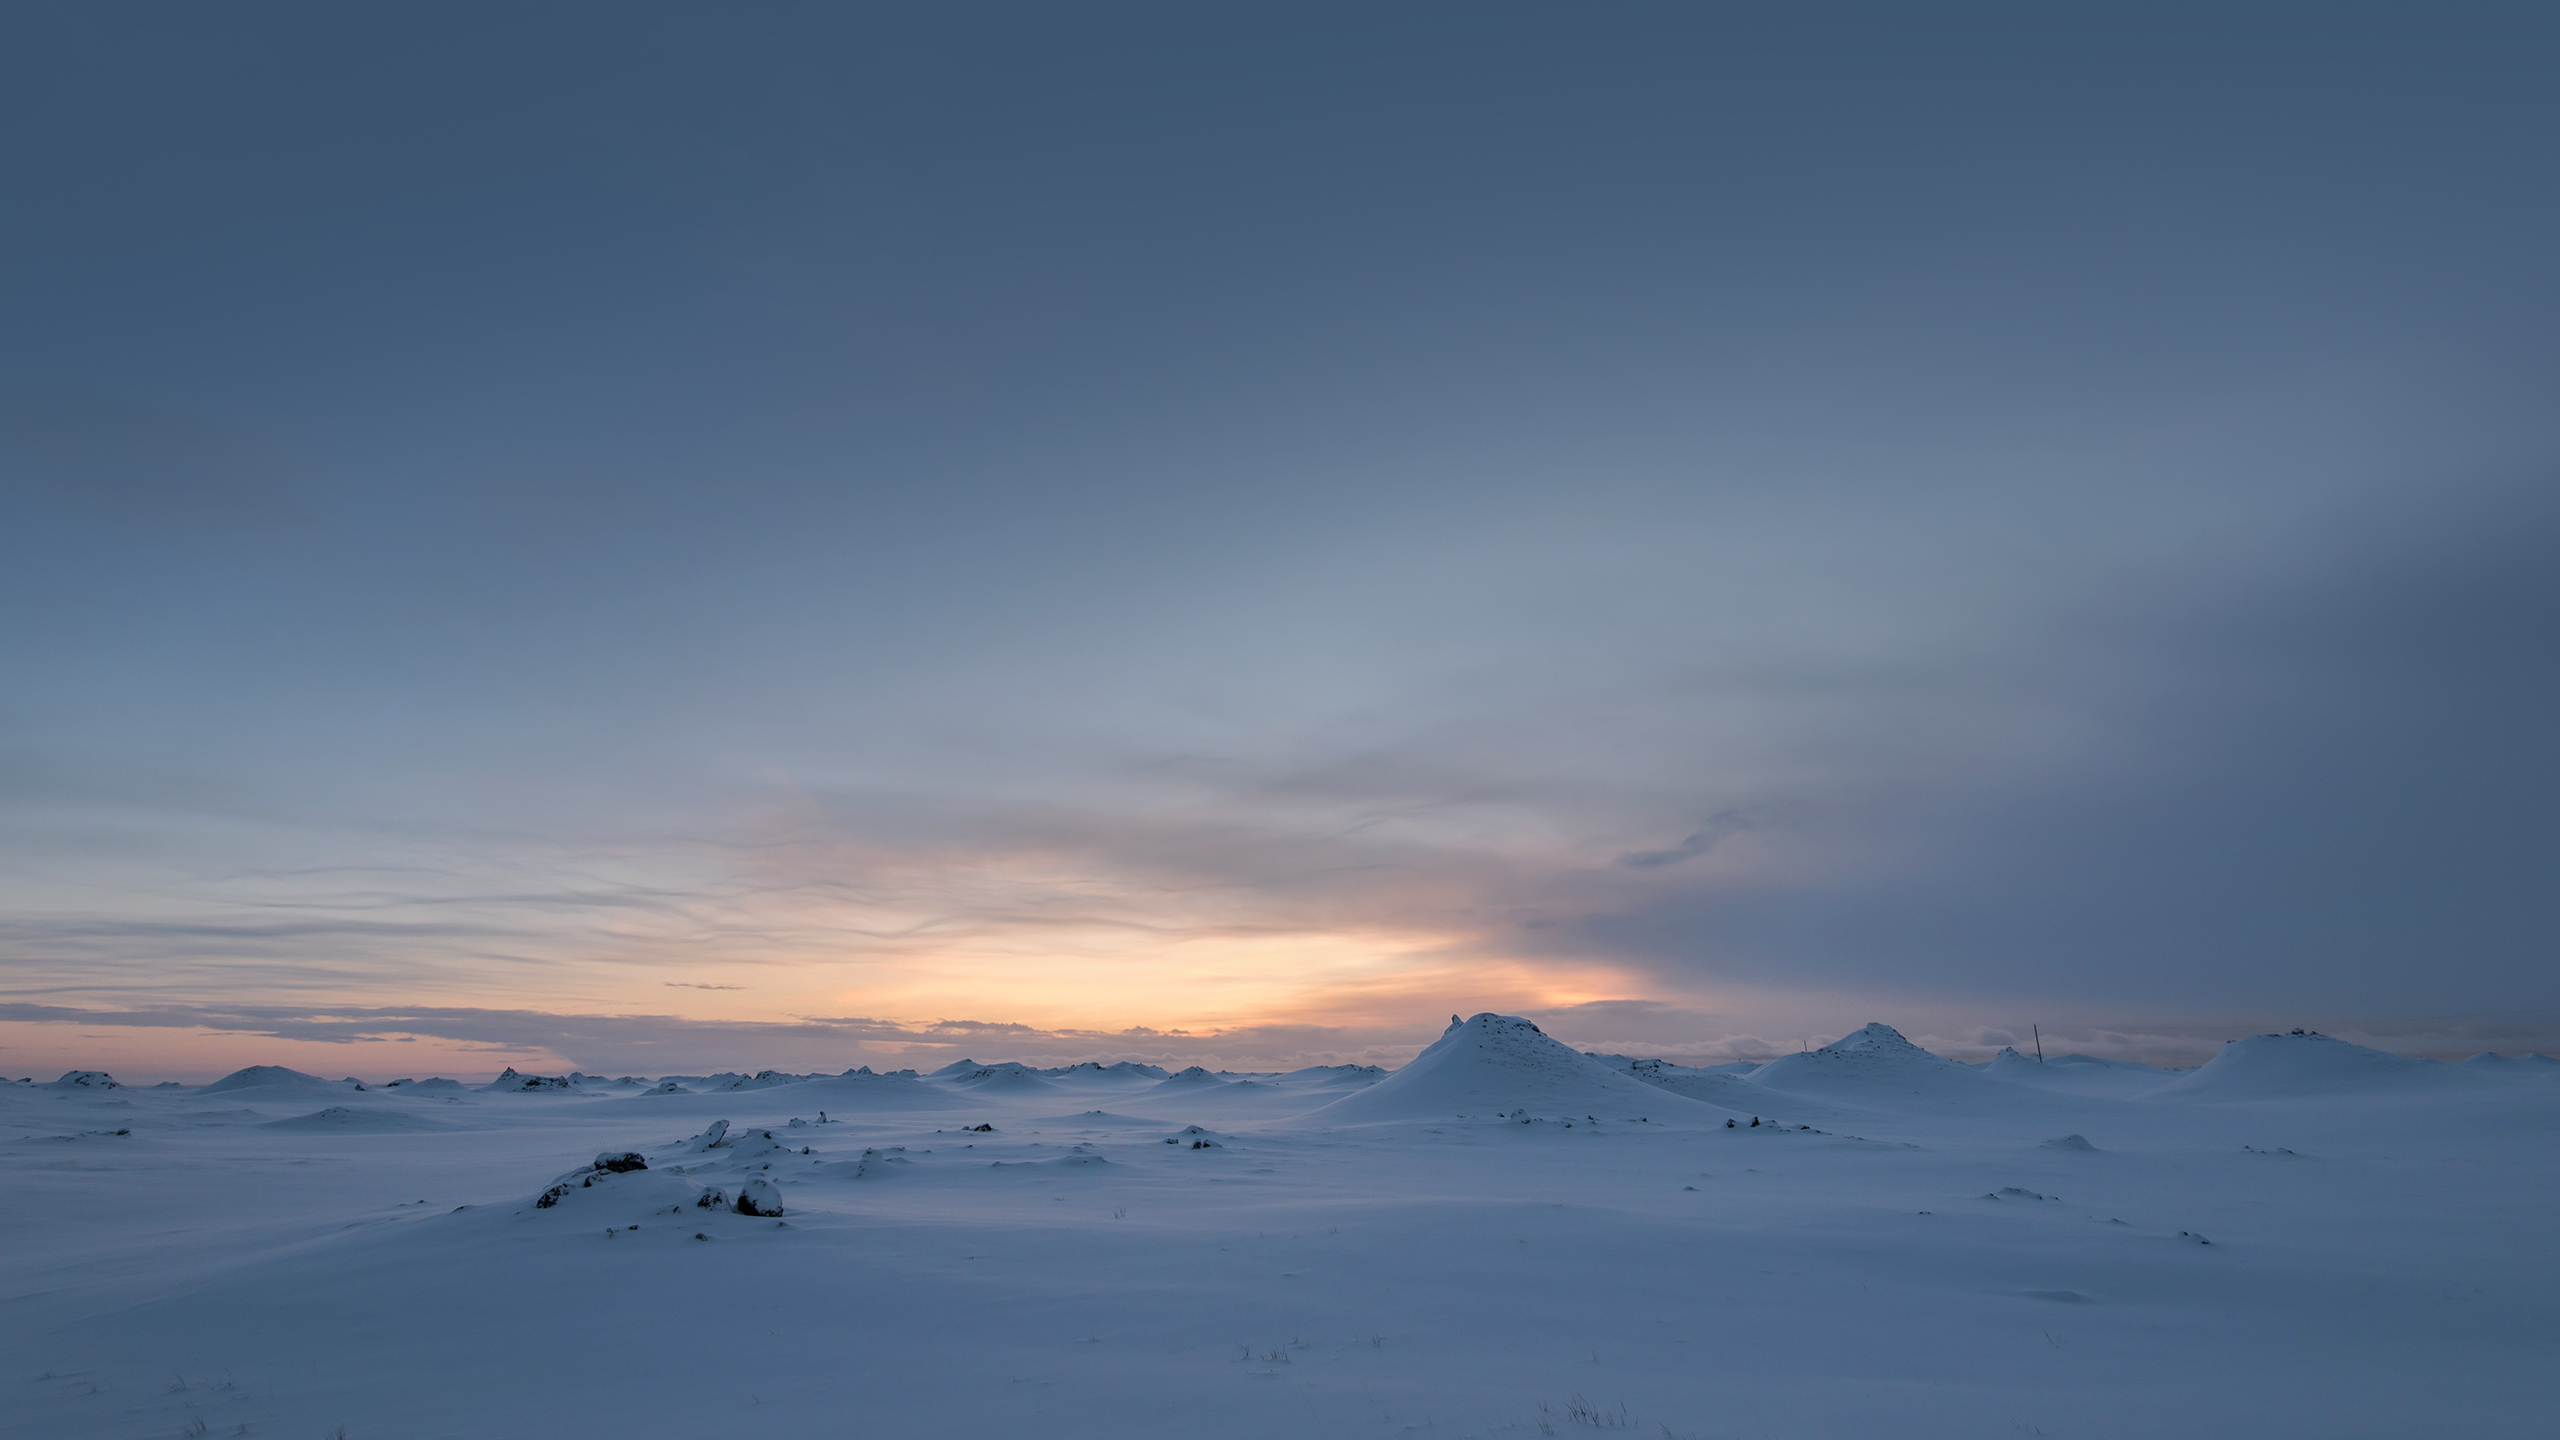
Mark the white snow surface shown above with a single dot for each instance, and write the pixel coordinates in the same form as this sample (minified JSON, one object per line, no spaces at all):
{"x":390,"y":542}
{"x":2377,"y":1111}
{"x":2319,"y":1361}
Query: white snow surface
{"x":1503,"y":1238}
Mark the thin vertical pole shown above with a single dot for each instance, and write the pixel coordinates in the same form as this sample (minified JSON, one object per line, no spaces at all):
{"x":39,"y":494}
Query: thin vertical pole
{"x":2039,"y":1044}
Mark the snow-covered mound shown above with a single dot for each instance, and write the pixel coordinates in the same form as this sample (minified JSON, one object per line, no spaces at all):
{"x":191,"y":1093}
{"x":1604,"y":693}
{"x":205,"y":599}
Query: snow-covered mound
{"x":85,"y":1080}
{"x":2306,"y":1062}
{"x":1498,"y":1064}
{"x":434,"y":1085}
{"x":345,"y":1120}
{"x":1877,"y":1067}
{"x":268,"y":1077}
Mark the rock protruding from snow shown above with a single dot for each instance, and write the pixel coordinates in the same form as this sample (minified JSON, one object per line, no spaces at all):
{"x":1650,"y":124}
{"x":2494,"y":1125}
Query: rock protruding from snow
{"x":1492,"y":1065}
{"x":759,"y":1197}
{"x":603,"y":1168}
{"x":86,"y":1080}
{"x":709,"y":1139}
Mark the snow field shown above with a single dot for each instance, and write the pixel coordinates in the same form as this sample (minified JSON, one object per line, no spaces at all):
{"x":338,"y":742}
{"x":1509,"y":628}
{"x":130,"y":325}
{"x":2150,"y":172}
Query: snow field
{"x":2309,"y":1252}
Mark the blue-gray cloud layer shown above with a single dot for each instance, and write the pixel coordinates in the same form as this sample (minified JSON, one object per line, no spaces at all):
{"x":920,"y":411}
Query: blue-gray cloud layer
{"x":1986,"y":501}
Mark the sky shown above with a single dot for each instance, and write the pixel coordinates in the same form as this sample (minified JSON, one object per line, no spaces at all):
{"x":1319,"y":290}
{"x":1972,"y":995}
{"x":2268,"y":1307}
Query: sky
{"x":664,"y":538}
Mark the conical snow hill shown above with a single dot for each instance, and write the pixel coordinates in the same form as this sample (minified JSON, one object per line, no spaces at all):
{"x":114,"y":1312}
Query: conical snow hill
{"x":2306,"y":1062}
{"x":1876,"y":1066}
{"x":1497,"y":1064}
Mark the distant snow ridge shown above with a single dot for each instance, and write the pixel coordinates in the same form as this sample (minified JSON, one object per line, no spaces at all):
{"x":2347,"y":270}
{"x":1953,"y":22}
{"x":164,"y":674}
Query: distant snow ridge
{"x":1497,"y":1064}
{"x":2532,"y":1064}
{"x":86,"y":1080}
{"x":1005,"y":1077}
{"x":511,"y":1082}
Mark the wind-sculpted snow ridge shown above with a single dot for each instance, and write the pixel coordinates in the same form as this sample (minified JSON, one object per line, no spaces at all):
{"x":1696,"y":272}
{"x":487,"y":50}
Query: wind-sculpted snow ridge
{"x":1497,"y":1065}
{"x":2305,"y":1062}
{"x":2078,"y":1074}
{"x":1723,"y":1086}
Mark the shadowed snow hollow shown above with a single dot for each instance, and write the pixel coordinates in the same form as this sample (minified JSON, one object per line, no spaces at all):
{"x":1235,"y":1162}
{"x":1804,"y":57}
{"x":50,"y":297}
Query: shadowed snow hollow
{"x":1497,"y":1064}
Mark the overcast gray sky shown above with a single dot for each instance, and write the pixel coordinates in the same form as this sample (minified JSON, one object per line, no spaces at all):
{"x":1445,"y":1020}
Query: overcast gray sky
{"x":664,"y":536}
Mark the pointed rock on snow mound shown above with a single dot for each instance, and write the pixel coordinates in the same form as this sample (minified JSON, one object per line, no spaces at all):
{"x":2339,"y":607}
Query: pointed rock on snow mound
{"x":2306,"y":1062}
{"x":1495,"y":1064}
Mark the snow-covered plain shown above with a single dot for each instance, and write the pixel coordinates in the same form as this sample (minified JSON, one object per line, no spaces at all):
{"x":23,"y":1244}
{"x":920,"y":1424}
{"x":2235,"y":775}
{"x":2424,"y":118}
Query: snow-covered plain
{"x":2301,"y":1238}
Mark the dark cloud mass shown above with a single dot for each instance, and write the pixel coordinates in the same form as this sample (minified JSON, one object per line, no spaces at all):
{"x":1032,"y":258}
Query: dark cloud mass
{"x":1176,"y":522}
